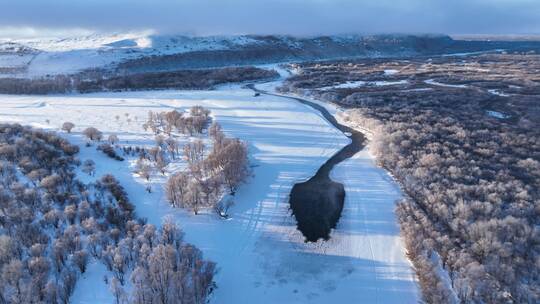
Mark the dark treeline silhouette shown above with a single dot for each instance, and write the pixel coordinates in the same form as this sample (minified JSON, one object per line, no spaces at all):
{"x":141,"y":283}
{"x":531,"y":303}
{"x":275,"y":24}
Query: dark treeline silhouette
{"x":97,"y":81}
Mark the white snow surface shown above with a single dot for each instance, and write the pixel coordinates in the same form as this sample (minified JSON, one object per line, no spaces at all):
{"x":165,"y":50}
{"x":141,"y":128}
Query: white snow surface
{"x":433,"y":82}
{"x":496,"y":114}
{"x":390,"y":72}
{"x":54,"y":56}
{"x":260,"y":254}
{"x":360,"y":83}
{"x":498,"y":93}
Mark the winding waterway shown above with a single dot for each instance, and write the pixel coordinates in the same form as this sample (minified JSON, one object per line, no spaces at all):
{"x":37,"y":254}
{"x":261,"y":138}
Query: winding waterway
{"x":317,"y":203}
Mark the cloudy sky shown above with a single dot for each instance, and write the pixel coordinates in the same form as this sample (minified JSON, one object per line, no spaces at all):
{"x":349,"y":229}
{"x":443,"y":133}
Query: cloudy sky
{"x":295,"y":17}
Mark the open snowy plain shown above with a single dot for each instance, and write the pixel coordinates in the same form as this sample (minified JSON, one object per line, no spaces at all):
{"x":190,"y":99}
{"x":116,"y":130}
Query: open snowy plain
{"x":261,"y":256}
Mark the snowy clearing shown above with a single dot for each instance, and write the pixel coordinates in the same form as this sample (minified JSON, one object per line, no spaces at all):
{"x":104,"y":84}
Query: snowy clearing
{"x":390,"y":72}
{"x":496,"y":114}
{"x":433,"y":82}
{"x":360,"y":83}
{"x":259,"y":252}
{"x":498,"y":93}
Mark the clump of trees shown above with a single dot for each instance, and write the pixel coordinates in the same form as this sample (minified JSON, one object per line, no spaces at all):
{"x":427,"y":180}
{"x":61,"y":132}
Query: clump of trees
{"x":167,"y":122}
{"x":52,"y":225}
{"x":68,"y":126}
{"x":110,"y":151}
{"x":225,"y":167}
{"x":93,"y":134}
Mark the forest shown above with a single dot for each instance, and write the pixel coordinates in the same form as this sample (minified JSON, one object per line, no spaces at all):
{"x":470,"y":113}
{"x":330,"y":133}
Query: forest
{"x":52,"y":226}
{"x":470,"y":214}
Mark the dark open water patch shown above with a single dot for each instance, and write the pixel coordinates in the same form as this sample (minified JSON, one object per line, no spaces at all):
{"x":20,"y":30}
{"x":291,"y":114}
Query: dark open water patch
{"x":318,"y":202}
{"x":317,"y":205}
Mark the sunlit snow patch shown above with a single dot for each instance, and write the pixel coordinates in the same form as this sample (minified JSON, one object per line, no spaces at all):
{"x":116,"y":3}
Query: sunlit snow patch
{"x":433,"y":82}
{"x":390,"y":72}
{"x":360,"y":83}
{"x":497,"y":114}
{"x":498,"y":93}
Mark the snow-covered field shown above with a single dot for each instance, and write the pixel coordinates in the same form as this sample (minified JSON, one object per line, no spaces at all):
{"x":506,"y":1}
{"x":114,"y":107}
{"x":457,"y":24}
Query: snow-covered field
{"x":54,"y":56}
{"x":261,"y":256}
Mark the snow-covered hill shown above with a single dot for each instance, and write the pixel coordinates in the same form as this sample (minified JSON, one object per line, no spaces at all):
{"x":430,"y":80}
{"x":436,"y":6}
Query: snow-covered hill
{"x":52,"y":56}
{"x":144,"y":51}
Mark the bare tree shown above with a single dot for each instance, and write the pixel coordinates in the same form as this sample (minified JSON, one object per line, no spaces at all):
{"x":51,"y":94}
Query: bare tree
{"x":117,"y":291}
{"x":222,"y":207}
{"x":172,"y":146}
{"x":143,"y":169}
{"x":193,"y":198}
{"x":89,"y":167}
{"x":160,"y":140}
{"x":93,"y":134}
{"x":68,"y":126}
{"x":216,"y":133}
{"x":199,"y":111}
{"x":161,"y":162}
{"x":194,"y":151}
{"x":80,"y":259}
{"x":176,"y":188}
{"x":113,"y":139}
{"x":232,"y":159}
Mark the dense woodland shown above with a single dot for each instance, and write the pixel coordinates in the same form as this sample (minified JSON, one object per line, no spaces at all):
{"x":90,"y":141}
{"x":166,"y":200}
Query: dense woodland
{"x":471,"y":180}
{"x":99,"y":80}
{"x":52,"y":226}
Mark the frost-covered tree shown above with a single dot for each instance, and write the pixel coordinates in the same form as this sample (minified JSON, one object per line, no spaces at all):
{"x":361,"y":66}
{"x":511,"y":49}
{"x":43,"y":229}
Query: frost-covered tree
{"x":93,"y":134}
{"x":113,"y":139}
{"x":194,"y":151}
{"x":89,"y":167}
{"x":231,"y":158}
{"x":68,"y":126}
{"x":172,"y":147}
{"x":80,"y":259}
{"x":176,"y":188}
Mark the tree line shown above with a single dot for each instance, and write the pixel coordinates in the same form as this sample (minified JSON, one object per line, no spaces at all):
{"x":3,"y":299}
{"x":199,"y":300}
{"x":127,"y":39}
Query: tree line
{"x":98,"y":80}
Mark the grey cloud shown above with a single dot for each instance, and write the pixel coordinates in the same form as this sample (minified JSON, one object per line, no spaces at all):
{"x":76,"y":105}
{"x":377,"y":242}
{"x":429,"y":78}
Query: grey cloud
{"x":296,"y":17}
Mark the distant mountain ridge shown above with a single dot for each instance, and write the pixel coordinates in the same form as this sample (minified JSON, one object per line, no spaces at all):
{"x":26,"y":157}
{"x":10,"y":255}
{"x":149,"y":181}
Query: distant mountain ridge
{"x":135,"y":53}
